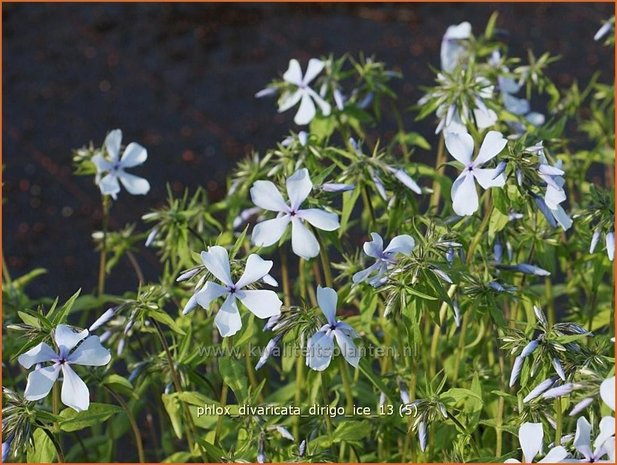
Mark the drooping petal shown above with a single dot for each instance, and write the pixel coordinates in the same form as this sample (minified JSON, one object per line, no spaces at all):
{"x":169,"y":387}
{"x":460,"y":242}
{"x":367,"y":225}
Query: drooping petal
{"x":489,"y":177}
{"x":306,"y":110}
{"x":74,"y":392}
{"x":464,"y":195}
{"x":582,"y":438}
{"x":67,"y":337}
{"x":255,"y":269}
{"x":38,"y":354}
{"x":134,"y":154}
{"x":299,"y":187}
{"x":555,"y":455}
{"x":262,"y":303}
{"x":314,"y":68}
{"x":554,"y":196}
{"x":607,"y":392}
{"x":364,"y":274}
{"x":530,"y":436}
{"x":112,"y":143}
{"x":134,"y":184}
{"x":321,"y":219}
{"x":228,"y":319}
{"x":90,"y":352}
{"x":303,"y":242}
{"x":348,"y":348}
{"x":216,"y":260}
{"x":265,"y":195}
{"x":190,"y":305}
{"x":323,"y":105}
{"x":40,"y":382}
{"x":268,"y":232}
{"x":493,"y":143}
{"x":293,"y":74}
{"x":460,"y":146}
{"x":109,"y":185}
{"x":319,"y":350}
{"x":211,"y":291}
{"x":561,"y":217}
{"x":326,"y":299}
{"x":401,"y":244}
{"x":374,"y":248}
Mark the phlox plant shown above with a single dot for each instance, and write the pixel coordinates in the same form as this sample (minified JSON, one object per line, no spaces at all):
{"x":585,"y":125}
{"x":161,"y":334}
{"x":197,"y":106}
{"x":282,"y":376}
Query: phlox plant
{"x":438,"y":297}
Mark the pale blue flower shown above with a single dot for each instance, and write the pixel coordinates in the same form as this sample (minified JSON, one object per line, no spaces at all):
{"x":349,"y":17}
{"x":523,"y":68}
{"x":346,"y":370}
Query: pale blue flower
{"x":384,"y":258}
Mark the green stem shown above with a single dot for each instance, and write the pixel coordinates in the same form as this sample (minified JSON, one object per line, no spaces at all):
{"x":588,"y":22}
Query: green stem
{"x":298,"y":393}
{"x":346,"y":386}
{"x":285,"y":275}
{"x":133,"y":423}
{"x":325,"y":264}
{"x":56,"y":444}
{"x":439,"y":168}
{"x":559,"y":420}
{"x":103,"y":258}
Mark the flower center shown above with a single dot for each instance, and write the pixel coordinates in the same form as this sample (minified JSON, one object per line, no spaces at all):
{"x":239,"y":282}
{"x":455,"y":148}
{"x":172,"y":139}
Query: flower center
{"x":232,"y":289}
{"x":293,"y":213}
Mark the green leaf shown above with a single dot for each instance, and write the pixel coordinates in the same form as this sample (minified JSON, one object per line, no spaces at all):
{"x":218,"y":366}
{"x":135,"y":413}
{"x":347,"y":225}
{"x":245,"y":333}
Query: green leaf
{"x":58,"y":315}
{"x":368,"y":372}
{"x":96,"y":414}
{"x":166,"y":319}
{"x":119,"y":383}
{"x":43,"y":450}
{"x":173,"y":407}
{"x":232,"y":371}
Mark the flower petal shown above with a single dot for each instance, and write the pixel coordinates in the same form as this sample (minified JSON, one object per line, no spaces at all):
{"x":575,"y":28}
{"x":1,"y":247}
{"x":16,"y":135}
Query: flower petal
{"x":228,"y":319}
{"x":610,"y":245}
{"x":255,"y":269}
{"x":323,"y":105}
{"x":326,"y":299}
{"x":607,"y":392}
{"x":40,"y":382}
{"x":582,"y":438}
{"x":91,"y":353}
{"x":109,"y":185}
{"x":38,"y":354}
{"x":262,"y":303}
{"x":268,"y":232}
{"x":265,"y":195}
{"x":289,"y":100}
{"x":364,"y":274}
{"x":374,"y":248}
{"x":460,"y":146}
{"x":134,"y":184}
{"x":319,"y":350}
{"x":555,"y":455}
{"x":493,"y":143}
{"x":303,"y":242}
{"x":406,"y":180}
{"x":101,"y":163}
{"x":74,"y":393}
{"x":321,"y":219}
{"x":299,"y":187}
{"x":401,"y":244}
{"x":112,"y":143}
{"x":216,"y":260}
{"x":530,"y":436}
{"x":293,"y":74}
{"x":314,"y":68}
{"x":464,"y":195}
{"x":67,"y":337}
{"x":306,"y":110}
{"x":348,"y":348}
{"x":607,"y":431}
{"x":488,"y":178}
{"x":134,"y":154}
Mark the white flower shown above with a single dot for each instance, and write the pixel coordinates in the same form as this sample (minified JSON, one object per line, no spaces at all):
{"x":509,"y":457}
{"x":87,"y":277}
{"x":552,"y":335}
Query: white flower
{"x":460,"y":146}
{"x":303,"y":242}
{"x":530,"y":436}
{"x":452,"y":45}
{"x":384,"y":258}
{"x":607,"y":392}
{"x":320,"y":346}
{"x":87,"y":351}
{"x":110,"y":170}
{"x":603,"y":445}
{"x":262,"y":303}
{"x":304,"y":94}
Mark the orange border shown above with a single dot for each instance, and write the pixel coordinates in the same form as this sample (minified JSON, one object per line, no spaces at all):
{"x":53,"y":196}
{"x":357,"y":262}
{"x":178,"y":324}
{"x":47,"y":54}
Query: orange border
{"x":271,"y":1}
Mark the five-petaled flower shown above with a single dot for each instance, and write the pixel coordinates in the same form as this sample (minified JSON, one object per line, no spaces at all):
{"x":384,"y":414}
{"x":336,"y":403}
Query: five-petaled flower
{"x":460,"y":146}
{"x":303,"y":94}
{"x":111,"y":169}
{"x":384,"y":258}
{"x":320,"y":346}
{"x":262,"y":303}
{"x":265,"y":195}
{"x":87,"y":351}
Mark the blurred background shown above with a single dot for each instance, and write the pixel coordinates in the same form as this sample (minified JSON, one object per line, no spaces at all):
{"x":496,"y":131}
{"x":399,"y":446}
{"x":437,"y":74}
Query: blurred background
{"x":180,"y":79}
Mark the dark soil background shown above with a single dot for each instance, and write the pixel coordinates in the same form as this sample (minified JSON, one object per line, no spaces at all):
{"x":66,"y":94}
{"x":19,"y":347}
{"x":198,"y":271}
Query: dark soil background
{"x":180,"y":79}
